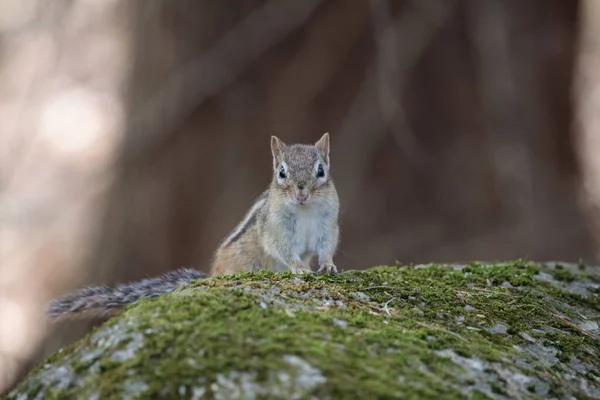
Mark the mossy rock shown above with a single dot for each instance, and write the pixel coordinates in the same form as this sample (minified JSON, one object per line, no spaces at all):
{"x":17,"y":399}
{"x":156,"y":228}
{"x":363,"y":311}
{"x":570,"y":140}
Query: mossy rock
{"x":512,"y":330}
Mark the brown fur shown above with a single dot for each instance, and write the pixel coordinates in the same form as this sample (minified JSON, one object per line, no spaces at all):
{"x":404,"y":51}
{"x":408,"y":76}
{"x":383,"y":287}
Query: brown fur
{"x":265,"y":229}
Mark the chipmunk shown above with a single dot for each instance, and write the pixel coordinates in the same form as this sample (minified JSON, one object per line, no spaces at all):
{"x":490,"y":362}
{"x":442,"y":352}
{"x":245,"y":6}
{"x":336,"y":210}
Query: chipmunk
{"x":289,"y":224}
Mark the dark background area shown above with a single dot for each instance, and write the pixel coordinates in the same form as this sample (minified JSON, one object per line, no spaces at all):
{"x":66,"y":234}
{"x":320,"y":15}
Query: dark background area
{"x":453,"y":131}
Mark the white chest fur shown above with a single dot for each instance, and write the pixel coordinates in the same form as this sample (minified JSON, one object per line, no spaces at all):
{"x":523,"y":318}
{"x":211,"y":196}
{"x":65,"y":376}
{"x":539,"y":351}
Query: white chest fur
{"x":309,"y":230}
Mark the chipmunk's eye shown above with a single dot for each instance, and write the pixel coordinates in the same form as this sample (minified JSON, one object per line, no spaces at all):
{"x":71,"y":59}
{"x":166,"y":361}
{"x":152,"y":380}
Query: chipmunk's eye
{"x":320,"y":172}
{"x":282,"y":173}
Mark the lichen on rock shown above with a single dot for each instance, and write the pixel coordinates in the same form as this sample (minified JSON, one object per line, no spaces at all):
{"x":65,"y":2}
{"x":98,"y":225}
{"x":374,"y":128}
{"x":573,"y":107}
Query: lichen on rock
{"x":498,"y":331}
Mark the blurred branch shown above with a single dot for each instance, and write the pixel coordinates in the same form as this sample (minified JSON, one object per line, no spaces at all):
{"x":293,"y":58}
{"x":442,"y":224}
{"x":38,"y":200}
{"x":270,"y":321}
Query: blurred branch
{"x":377,"y":105}
{"x":310,"y":73}
{"x":201,"y":78}
{"x":399,"y":47}
{"x":508,"y":116}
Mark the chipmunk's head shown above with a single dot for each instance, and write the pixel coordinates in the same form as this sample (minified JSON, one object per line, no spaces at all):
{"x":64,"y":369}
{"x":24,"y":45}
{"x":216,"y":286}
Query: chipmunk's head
{"x":301,"y":171}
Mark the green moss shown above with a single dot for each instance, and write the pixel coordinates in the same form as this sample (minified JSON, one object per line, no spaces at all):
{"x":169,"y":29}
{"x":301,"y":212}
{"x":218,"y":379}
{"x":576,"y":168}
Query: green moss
{"x":388,"y":332}
{"x":477,"y":395}
{"x":564,"y":275}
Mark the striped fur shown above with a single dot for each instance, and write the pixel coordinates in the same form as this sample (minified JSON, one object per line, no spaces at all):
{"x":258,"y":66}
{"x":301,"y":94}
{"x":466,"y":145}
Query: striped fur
{"x":248,"y":220}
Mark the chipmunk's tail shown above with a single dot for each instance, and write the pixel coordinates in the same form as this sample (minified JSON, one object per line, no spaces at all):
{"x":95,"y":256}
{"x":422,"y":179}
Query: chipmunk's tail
{"x":102,"y":301}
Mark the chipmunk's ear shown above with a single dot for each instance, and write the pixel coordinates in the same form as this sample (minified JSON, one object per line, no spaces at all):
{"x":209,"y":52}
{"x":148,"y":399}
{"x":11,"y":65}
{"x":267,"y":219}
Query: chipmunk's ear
{"x":323,"y":147}
{"x":277,"y":147}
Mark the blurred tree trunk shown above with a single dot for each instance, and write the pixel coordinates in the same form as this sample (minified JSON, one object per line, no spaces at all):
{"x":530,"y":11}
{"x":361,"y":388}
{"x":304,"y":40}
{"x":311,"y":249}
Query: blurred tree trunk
{"x":63,"y":66}
{"x":587,"y":96}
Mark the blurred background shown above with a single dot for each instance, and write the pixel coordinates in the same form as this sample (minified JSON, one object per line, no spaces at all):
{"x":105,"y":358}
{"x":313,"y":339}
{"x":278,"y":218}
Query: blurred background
{"x":134,"y":134}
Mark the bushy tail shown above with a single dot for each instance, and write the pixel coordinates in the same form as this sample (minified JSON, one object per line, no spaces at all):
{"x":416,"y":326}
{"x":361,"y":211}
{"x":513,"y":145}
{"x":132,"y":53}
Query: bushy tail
{"x":102,"y":301}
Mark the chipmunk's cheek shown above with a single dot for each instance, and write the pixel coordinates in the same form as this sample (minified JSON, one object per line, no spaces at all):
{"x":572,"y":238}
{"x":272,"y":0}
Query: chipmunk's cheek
{"x":291,"y":195}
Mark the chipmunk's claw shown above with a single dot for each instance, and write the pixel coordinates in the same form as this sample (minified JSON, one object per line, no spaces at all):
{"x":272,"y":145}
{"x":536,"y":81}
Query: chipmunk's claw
{"x":328,"y":268}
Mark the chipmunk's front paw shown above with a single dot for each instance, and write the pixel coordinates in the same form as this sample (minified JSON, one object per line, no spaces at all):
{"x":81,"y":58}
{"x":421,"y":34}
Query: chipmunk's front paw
{"x":328,"y":268}
{"x":301,"y":271}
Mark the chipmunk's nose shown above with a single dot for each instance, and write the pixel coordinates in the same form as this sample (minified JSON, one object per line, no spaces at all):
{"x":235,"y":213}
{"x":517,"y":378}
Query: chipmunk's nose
{"x":302,"y":197}
{"x":301,"y":185}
